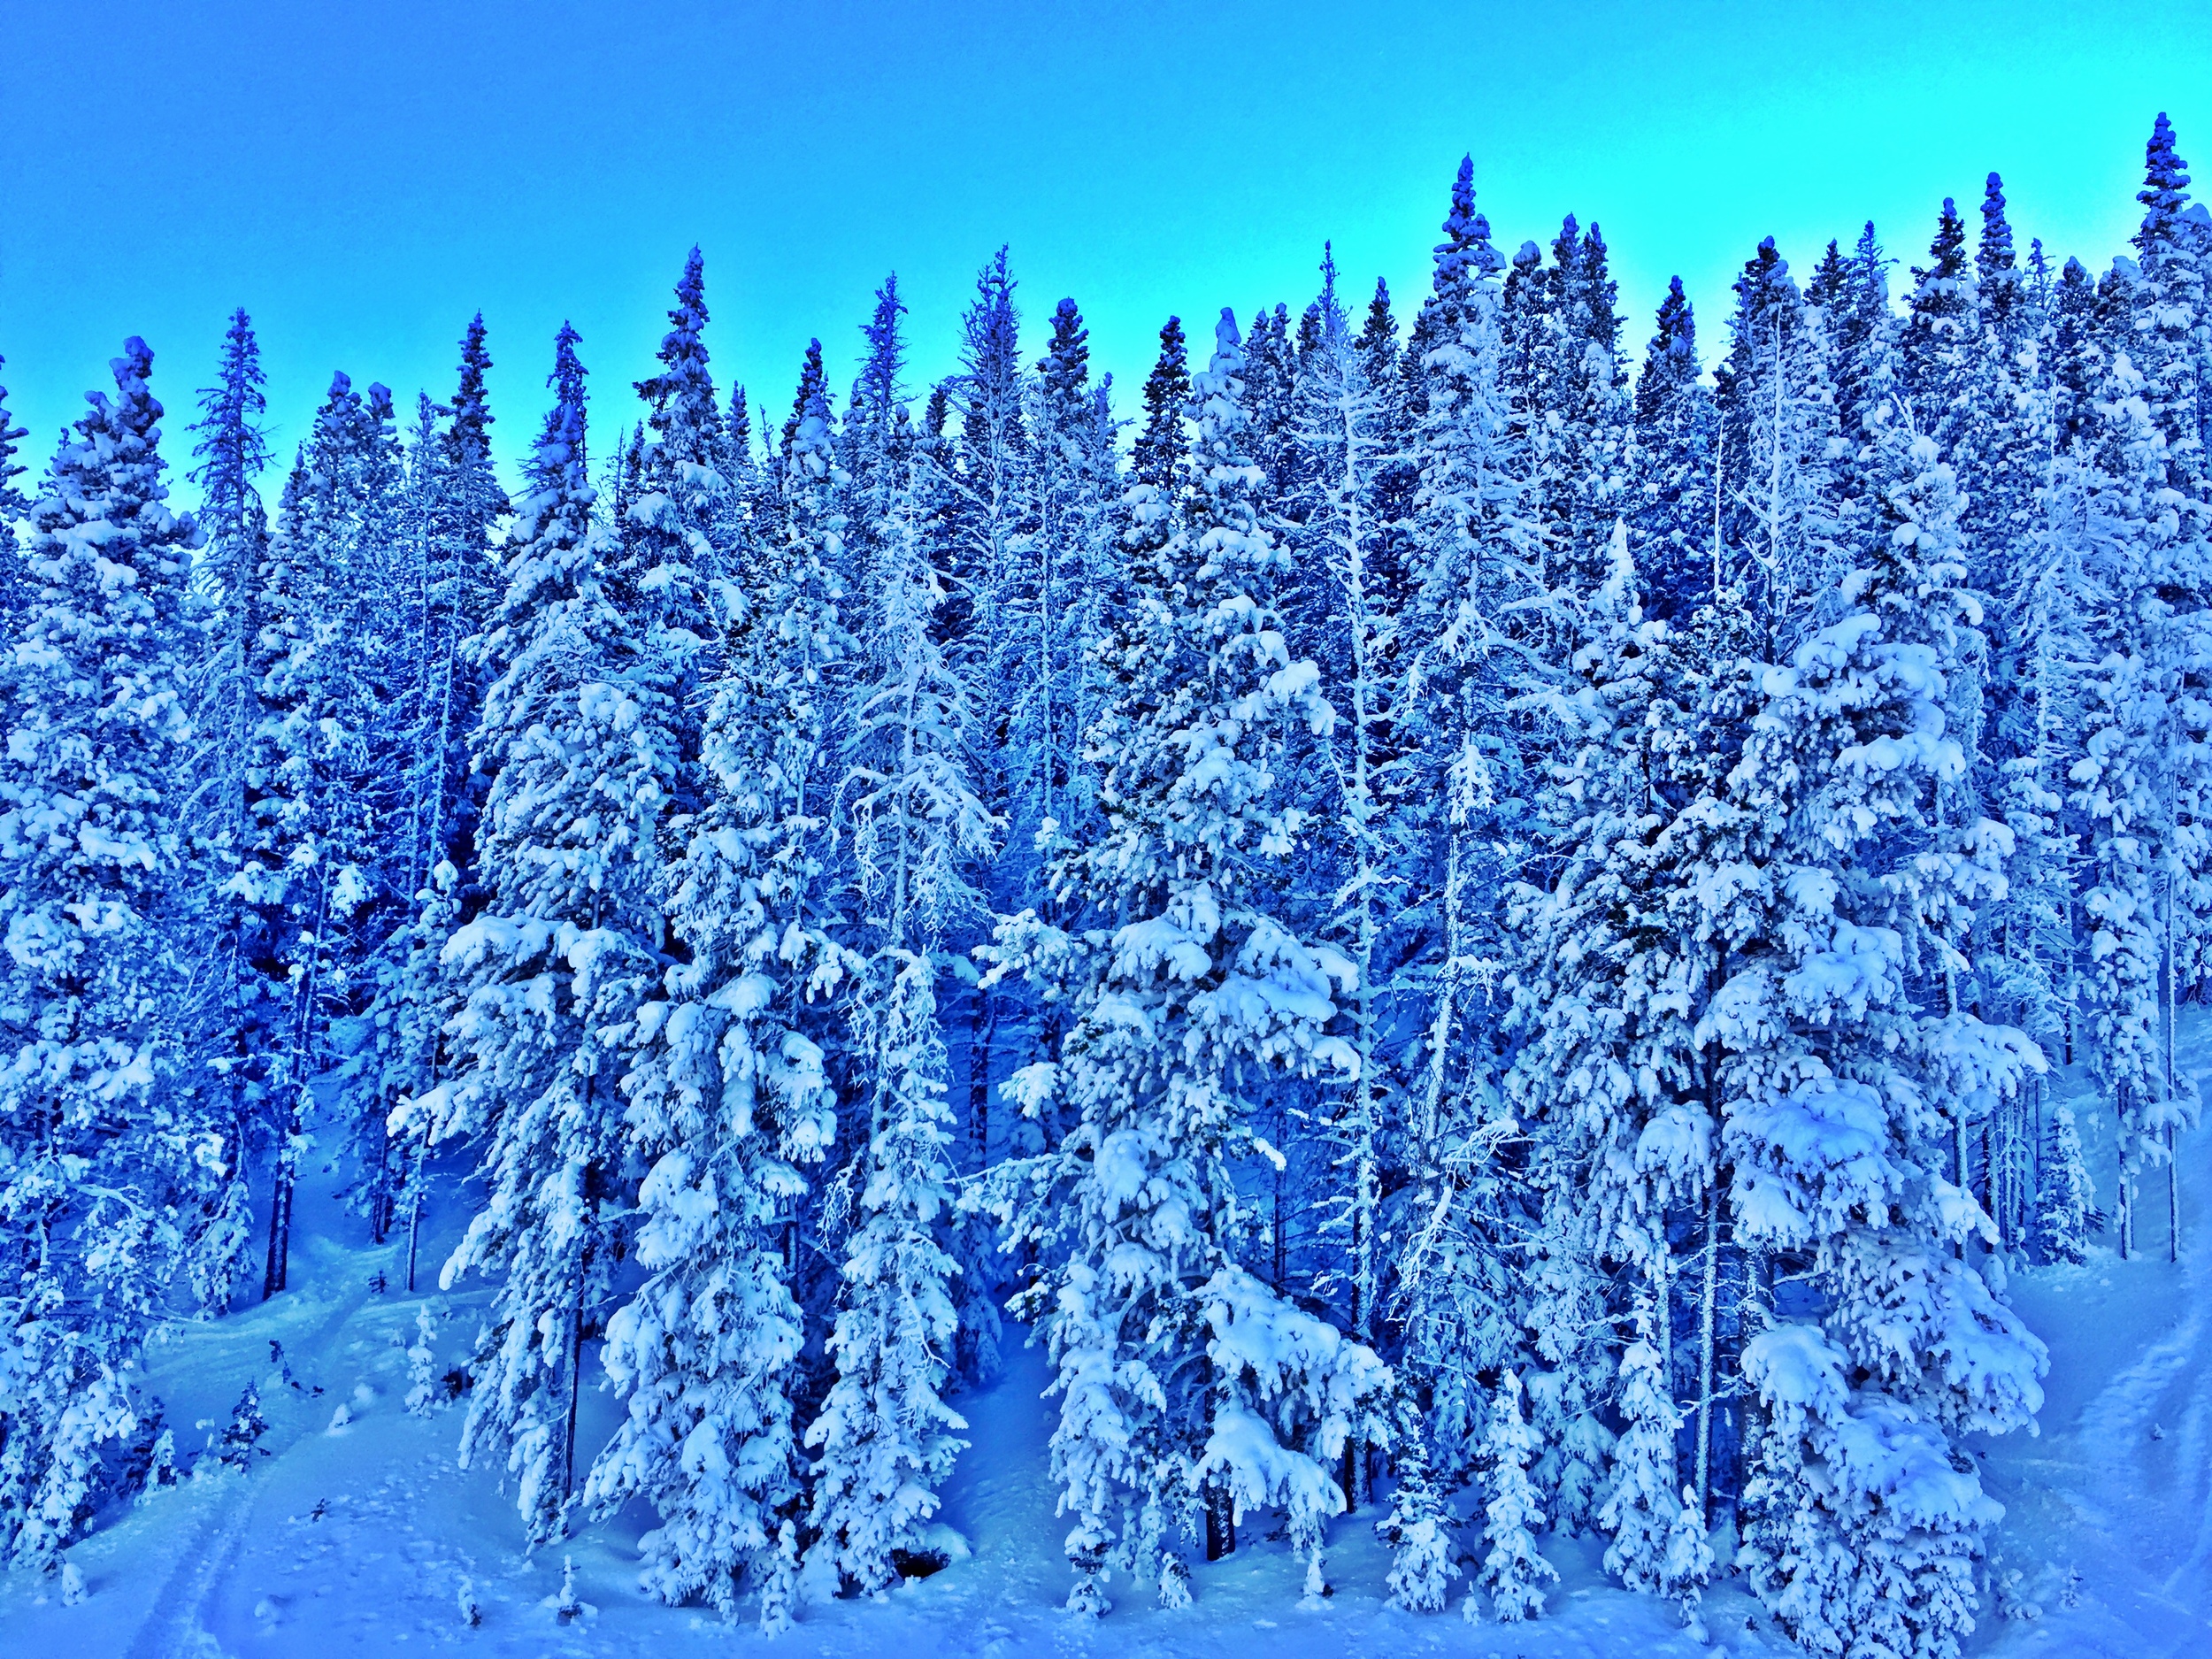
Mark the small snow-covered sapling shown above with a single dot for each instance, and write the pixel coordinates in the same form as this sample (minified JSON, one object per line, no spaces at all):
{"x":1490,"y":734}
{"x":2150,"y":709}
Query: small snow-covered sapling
{"x":422,"y":1366}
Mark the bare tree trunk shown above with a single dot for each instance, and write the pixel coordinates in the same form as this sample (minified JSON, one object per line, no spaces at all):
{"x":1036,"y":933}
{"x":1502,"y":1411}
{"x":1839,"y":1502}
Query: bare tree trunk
{"x":1709,"y":1297}
{"x":2173,"y":1013}
{"x":277,"y":1268}
{"x":985,"y":1027}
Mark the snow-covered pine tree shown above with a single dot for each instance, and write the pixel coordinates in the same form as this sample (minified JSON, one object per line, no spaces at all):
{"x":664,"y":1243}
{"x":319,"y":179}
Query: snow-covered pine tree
{"x":1778,"y":447}
{"x":2172,"y":346}
{"x":1671,"y":514}
{"x":1941,"y":335}
{"x":1474,"y":558}
{"x":990,"y":531}
{"x":331,"y":661}
{"x":1189,"y":995}
{"x":103,"y":1145}
{"x":2140,"y":549}
{"x":1352,"y":601}
{"x":1417,"y":1530}
{"x":1513,"y":1572}
{"x":578,"y":735}
{"x":235,"y":1007}
{"x":1640,"y":1512}
{"x":2029,"y":971}
{"x":14,"y":580}
{"x":1076,"y":574}
{"x":876,"y":438}
{"x":1603,"y":1081}
{"x":1585,"y":488}
{"x":1851,"y":1068}
{"x":1687,"y":1567}
{"x":674,"y":557}
{"x":731,"y":1094}
{"x":886,"y":1436}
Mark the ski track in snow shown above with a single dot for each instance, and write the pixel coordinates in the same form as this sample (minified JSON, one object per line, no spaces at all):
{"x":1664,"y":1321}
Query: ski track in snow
{"x":356,"y":1539}
{"x":174,"y":1624}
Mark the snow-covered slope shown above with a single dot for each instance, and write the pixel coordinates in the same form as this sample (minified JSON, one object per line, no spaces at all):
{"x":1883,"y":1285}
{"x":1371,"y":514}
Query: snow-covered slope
{"x":360,"y":1535}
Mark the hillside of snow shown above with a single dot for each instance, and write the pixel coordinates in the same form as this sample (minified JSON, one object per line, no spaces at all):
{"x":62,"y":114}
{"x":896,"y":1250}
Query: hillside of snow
{"x":358,"y":1533}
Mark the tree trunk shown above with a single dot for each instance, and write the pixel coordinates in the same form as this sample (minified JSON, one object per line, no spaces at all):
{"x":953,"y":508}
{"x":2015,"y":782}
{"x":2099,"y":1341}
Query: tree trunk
{"x":985,"y":1027}
{"x":1708,"y":1297}
{"x":277,"y":1268}
{"x":1221,"y":1526}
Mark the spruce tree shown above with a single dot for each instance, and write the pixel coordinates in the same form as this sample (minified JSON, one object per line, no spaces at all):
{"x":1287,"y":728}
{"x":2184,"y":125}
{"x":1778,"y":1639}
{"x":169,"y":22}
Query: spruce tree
{"x":234,"y":1011}
{"x":1639,"y":1513}
{"x":103,"y":1144}
{"x":730,"y":1091}
{"x":14,"y":588}
{"x":1671,"y":513}
{"x":555,"y":973}
{"x":1854,"y":1066}
{"x":887,"y":1436}
{"x":1513,"y":1572}
{"x":1174,"y":1365}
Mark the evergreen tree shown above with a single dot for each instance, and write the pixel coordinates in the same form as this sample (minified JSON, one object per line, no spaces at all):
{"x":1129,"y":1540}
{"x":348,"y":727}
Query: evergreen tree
{"x":1941,"y":332}
{"x":1673,"y":514}
{"x":1688,"y":1565}
{"x":885,"y":1435}
{"x":1779,"y":446}
{"x":1178,"y":1372}
{"x":1641,"y":1511}
{"x":1418,"y":1529}
{"x":2066,"y":1213}
{"x":731,"y":1092}
{"x":102,"y":1143}
{"x":1853,"y":1064}
{"x":234,"y":1022}
{"x":1513,"y":1572}
{"x":554,"y":974}
{"x":1475,"y":560}
{"x":15,"y":594}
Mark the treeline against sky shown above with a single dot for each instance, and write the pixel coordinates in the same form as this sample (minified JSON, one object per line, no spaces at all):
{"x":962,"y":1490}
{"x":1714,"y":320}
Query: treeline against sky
{"x":1469,"y":936}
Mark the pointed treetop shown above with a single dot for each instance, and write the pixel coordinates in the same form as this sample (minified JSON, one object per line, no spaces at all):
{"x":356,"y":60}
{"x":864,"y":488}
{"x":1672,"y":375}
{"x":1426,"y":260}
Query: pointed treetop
{"x":2165,"y":191}
{"x":232,"y":448}
{"x":886,"y":350}
{"x":1162,"y":444}
{"x":1995,"y":253}
{"x":1466,"y":235}
{"x":471,"y":412}
{"x":1377,"y":339}
{"x":806,"y":435}
{"x":741,"y":426}
{"x":1227,"y":341}
{"x":1671,"y":360}
{"x":684,"y":417}
{"x":12,"y":504}
{"x":812,"y":391}
{"x":1947,"y":249}
{"x":1063,"y":372}
{"x":559,"y":461}
{"x":1764,"y":283}
{"x":1566,"y":248}
{"x":110,"y":472}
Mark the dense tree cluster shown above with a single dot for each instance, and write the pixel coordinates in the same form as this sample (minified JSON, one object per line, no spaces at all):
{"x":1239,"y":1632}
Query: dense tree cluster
{"x":1462,"y":933}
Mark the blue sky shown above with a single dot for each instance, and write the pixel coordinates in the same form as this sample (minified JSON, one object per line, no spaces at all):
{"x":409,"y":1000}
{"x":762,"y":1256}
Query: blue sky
{"x":364,"y":176}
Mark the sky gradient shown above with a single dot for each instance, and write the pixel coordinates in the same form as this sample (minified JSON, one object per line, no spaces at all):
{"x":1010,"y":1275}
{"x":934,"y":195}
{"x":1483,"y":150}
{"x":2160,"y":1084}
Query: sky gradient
{"x":363,"y":177}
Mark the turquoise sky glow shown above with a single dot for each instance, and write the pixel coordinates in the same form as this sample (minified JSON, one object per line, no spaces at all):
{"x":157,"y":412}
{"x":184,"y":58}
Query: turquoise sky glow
{"x":364,"y":176}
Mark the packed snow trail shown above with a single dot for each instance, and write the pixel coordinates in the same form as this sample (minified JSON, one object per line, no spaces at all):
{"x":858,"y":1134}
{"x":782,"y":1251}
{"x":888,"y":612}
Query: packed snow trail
{"x":2117,"y":1489}
{"x":358,"y":1538}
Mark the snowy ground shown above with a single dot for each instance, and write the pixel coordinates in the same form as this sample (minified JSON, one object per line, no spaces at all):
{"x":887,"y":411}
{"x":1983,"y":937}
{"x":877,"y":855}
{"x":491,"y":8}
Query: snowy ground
{"x":357,"y":1538}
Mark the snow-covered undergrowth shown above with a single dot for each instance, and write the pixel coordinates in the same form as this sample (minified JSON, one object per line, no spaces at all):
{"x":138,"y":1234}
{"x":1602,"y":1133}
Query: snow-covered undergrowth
{"x":362,"y":1536}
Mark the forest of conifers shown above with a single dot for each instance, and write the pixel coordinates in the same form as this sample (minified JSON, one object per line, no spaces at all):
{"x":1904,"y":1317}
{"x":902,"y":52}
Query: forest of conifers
{"x":1469,"y":924}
